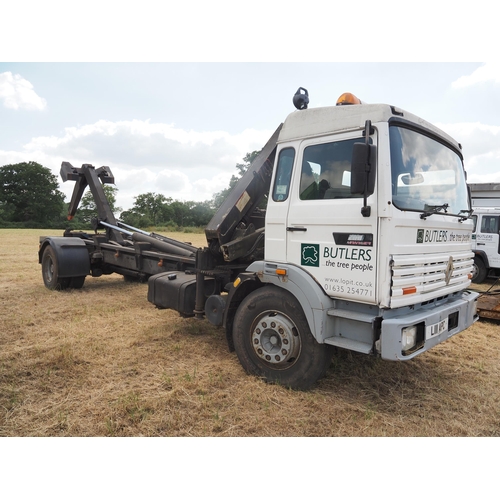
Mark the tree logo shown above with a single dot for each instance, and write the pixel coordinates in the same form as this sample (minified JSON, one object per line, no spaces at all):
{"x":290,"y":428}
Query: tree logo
{"x":309,"y":255}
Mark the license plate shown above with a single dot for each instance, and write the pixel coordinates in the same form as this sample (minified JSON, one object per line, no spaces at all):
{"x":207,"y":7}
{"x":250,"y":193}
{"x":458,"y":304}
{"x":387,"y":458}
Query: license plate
{"x":436,"y":329}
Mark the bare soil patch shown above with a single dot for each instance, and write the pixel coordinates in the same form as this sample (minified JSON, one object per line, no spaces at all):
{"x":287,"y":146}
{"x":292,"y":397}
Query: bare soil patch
{"x":103,"y":361}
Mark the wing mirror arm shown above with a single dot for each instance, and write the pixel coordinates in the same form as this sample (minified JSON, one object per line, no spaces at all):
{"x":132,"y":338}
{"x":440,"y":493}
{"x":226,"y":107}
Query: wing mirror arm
{"x":363,"y":168}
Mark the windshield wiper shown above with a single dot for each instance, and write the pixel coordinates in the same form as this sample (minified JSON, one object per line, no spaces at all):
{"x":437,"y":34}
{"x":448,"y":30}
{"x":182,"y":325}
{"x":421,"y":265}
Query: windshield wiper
{"x":433,"y":209}
{"x":436,"y":209}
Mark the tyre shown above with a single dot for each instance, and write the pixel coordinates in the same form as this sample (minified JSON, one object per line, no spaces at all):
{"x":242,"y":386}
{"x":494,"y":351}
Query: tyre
{"x":77,"y":282}
{"x":273,"y":341}
{"x":50,"y":271}
{"x":479,"y":270}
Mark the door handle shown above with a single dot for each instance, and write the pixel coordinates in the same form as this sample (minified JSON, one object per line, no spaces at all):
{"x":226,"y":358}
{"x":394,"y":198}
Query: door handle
{"x":296,"y":228}
{"x":481,"y":244}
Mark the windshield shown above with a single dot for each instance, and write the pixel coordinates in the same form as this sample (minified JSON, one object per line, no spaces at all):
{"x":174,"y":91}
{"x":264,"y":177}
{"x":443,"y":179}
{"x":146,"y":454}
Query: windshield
{"x":426,"y":175}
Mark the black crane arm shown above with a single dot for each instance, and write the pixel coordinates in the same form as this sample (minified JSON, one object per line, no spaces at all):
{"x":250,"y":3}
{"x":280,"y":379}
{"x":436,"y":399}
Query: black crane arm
{"x":85,"y":176}
{"x":244,"y":197}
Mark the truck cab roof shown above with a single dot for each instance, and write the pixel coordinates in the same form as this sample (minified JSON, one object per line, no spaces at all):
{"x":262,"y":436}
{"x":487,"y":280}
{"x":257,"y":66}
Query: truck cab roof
{"x":314,"y":122}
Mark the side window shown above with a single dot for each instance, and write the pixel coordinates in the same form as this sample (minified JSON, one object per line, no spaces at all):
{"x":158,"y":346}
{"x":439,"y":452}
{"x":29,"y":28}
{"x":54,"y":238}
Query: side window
{"x":489,"y":224}
{"x":326,"y":171}
{"x":281,"y":187}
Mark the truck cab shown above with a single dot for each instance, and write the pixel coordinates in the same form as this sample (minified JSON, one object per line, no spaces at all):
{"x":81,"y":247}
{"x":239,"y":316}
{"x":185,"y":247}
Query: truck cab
{"x":397,"y":252}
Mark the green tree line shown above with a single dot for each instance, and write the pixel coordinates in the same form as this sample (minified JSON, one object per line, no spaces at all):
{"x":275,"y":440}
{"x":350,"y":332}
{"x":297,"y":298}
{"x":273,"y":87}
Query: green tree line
{"x":153,"y":209}
{"x":30,"y":197}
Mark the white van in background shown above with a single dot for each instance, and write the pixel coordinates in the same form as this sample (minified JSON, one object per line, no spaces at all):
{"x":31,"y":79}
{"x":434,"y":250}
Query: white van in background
{"x":485,"y":201}
{"x":486,"y":243}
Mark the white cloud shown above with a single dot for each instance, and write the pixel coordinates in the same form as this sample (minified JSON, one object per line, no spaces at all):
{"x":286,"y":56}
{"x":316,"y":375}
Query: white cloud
{"x":139,"y":143}
{"x":147,"y":157}
{"x":489,"y":72}
{"x":18,"y":93}
{"x":172,"y":181}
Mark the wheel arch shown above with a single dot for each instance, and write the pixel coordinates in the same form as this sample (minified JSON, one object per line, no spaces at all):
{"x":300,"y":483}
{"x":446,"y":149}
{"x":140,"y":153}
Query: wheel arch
{"x":297,"y":282}
{"x":71,"y":253}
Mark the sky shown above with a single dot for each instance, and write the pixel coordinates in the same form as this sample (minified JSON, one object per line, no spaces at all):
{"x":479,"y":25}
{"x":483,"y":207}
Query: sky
{"x":179,"y":128}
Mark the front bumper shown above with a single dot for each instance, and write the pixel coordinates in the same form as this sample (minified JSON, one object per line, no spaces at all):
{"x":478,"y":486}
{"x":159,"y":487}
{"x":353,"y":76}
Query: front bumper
{"x":438,"y":321}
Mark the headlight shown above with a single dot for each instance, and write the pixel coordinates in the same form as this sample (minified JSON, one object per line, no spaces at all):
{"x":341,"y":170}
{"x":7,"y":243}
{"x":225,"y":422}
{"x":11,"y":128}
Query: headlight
{"x":408,"y":337}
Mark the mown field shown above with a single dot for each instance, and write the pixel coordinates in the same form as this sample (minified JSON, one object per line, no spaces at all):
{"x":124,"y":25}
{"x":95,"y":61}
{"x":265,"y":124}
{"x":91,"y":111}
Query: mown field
{"x":102,"y":361}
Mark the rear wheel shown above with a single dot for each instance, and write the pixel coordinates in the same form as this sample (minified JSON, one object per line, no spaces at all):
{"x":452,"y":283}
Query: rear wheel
{"x":77,"y":282}
{"x":272,"y":340}
{"x":50,"y":271}
{"x":479,"y":271}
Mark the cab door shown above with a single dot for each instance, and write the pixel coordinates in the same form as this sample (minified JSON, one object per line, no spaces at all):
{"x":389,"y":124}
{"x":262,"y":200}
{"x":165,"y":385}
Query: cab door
{"x":326,"y":233}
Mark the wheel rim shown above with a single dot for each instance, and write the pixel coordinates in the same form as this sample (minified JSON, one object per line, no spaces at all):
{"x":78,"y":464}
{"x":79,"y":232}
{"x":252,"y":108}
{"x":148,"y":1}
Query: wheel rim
{"x":49,"y":270}
{"x":275,"y":339}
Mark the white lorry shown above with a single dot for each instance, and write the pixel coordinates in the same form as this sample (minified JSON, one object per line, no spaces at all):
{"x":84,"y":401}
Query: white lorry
{"x":365,"y":245}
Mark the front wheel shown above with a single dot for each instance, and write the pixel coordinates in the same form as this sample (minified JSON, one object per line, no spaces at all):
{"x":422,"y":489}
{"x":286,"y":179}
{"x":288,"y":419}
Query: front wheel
{"x":272,"y":340}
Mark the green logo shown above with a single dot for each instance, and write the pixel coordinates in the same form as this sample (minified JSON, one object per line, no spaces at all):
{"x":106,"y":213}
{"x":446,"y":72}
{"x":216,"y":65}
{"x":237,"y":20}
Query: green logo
{"x":420,"y":235}
{"x":309,"y":254}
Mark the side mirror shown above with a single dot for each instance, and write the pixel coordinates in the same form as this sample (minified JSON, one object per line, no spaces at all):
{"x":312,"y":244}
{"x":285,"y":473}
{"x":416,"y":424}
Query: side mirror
{"x":363,"y":168}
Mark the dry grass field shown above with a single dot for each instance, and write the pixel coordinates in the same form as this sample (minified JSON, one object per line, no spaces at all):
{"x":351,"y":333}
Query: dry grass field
{"x":102,"y":361}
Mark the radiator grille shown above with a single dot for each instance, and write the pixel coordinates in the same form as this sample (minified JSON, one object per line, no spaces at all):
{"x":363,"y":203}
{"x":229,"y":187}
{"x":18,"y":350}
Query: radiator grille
{"x":422,"y":277}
